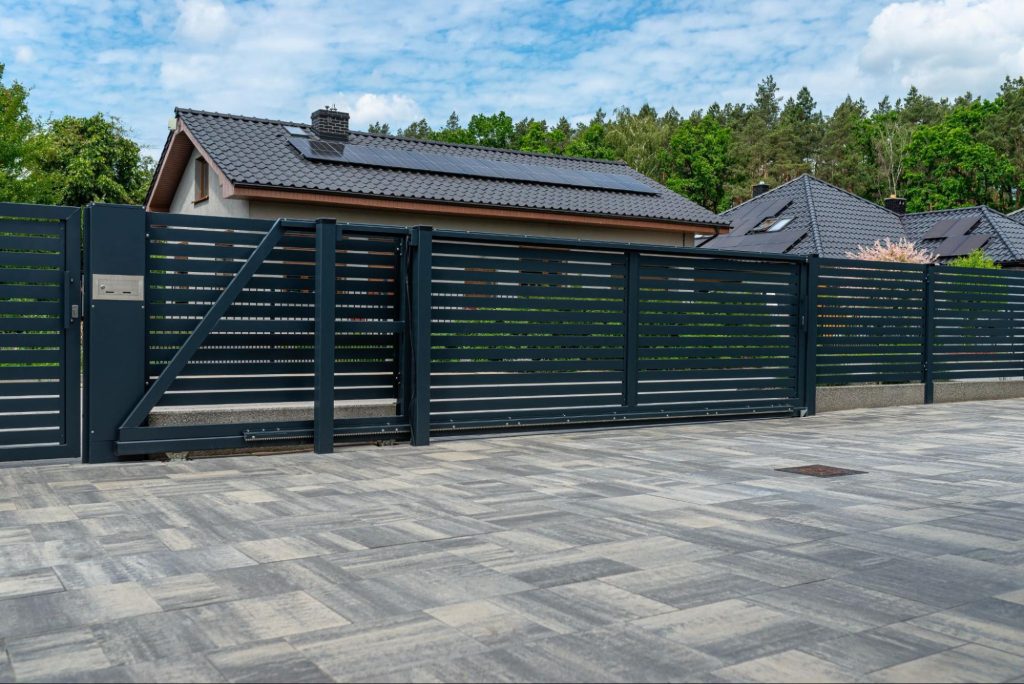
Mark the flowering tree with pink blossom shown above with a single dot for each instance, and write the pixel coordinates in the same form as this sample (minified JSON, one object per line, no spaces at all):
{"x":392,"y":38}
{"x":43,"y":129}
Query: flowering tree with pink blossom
{"x":902,"y":251}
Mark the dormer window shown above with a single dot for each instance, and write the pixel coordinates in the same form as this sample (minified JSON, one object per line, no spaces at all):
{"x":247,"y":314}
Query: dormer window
{"x":771,"y":225}
{"x":202,"y":181}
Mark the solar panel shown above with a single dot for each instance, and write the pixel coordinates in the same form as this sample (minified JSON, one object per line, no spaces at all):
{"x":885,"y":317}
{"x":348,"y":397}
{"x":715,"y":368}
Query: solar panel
{"x":964,"y":244}
{"x":767,"y":210}
{"x":776,"y":243}
{"x":952,"y":227}
{"x":364,"y":155}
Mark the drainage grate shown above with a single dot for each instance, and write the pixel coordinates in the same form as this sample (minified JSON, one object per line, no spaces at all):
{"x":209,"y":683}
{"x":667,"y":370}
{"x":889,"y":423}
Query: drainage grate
{"x":818,"y":470}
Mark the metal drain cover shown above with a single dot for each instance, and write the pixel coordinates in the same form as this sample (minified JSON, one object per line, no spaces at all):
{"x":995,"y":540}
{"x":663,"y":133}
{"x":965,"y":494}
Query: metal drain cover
{"x":818,"y":470}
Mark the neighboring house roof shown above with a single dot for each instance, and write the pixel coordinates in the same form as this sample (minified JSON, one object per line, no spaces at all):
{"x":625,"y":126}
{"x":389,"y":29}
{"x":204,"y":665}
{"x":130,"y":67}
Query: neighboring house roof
{"x":1006,"y":241}
{"x":256,"y":154}
{"x":831,"y":222}
{"x":1017,"y":216}
{"x":826,"y":220}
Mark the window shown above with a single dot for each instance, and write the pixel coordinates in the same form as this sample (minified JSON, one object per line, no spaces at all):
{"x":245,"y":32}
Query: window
{"x":202,"y":180}
{"x":772,"y":224}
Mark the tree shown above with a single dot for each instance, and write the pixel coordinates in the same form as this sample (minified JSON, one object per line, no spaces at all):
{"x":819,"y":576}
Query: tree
{"x":591,"y":139}
{"x":89,"y":159}
{"x":890,"y":138}
{"x":699,"y":162}
{"x":903,"y":251}
{"x":846,"y":149}
{"x":16,"y":130}
{"x":494,"y":130}
{"x":950,"y":165}
{"x":379,"y":128}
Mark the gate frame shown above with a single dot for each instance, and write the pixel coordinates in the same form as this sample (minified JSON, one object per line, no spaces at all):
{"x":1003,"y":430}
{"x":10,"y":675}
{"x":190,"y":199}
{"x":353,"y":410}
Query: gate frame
{"x":71,"y":300}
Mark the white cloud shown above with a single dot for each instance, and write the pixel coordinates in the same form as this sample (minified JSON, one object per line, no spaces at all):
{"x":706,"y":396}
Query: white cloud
{"x":369,"y":108}
{"x":202,"y":20}
{"x":24,"y":54}
{"x":946,"y":46}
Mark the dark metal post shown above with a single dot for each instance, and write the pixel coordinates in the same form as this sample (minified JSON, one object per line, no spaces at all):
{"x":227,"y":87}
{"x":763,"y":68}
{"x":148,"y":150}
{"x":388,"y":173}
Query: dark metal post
{"x":419,"y":343}
{"x":928,"y":359}
{"x":115,"y":329}
{"x":327,"y":234}
{"x":631,"y":348}
{"x":811,"y":335}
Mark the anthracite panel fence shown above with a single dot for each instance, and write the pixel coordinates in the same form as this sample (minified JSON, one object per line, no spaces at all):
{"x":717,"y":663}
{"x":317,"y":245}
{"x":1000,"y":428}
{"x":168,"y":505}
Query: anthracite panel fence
{"x":450,"y":331}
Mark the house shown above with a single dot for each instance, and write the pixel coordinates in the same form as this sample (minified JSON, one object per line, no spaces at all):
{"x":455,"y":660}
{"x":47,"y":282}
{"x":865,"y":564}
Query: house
{"x":809,"y":216}
{"x":225,"y":165}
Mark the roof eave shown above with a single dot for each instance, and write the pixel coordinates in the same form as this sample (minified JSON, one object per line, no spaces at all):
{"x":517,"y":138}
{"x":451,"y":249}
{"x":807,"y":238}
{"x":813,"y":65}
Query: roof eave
{"x":440,"y":207}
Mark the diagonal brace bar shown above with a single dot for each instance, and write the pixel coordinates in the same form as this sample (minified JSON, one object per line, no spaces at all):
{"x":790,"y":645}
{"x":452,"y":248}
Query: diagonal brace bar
{"x":208,"y":323}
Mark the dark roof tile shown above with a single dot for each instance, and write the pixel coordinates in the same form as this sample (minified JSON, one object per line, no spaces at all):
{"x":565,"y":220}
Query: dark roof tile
{"x":256,"y":152}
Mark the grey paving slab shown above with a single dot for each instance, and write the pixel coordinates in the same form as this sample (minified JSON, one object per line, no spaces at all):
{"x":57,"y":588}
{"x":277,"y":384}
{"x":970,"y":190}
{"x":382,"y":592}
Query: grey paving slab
{"x":663,"y":553}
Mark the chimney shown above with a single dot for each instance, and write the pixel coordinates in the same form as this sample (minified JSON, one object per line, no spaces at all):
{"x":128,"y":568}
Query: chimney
{"x":330,"y":123}
{"x":896,"y":204}
{"x":759,"y":189}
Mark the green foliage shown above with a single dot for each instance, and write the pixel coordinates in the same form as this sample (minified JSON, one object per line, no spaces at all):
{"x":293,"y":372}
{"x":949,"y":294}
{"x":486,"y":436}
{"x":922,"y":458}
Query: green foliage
{"x":71,"y":160}
{"x":939,"y":154}
{"x":699,"y":162}
{"x":975,"y":259}
{"x":950,"y":164}
{"x":90,"y":159}
{"x":16,"y":130}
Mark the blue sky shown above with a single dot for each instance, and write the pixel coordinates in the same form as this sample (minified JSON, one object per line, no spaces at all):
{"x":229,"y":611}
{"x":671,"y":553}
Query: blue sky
{"x":397,"y":61}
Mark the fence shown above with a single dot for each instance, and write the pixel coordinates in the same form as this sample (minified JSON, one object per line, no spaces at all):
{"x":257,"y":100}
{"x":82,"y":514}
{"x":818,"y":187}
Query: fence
{"x":447,"y":331}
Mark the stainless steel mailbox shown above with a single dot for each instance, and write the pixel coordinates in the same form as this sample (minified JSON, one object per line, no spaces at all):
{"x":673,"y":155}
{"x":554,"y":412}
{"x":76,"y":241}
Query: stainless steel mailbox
{"x":129,"y":288}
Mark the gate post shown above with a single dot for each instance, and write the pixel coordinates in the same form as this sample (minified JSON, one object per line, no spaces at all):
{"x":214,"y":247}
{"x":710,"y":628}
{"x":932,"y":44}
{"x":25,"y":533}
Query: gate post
{"x":419,"y":343}
{"x":115,"y":326}
{"x":810,"y":307}
{"x":324,"y":331}
{"x":928,"y":365}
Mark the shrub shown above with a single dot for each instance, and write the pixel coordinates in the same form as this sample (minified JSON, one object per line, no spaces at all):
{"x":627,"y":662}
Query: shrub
{"x":975,"y":259}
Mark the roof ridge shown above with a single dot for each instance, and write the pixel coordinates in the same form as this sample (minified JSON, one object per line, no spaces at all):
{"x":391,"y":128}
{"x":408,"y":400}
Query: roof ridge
{"x":851,"y":194}
{"x":767,"y":192}
{"x":939,"y":211}
{"x":543,"y":155}
{"x":986,"y":211}
{"x":812,"y":213}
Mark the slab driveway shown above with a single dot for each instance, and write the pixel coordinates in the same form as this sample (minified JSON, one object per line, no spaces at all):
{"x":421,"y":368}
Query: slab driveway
{"x":658,"y":553}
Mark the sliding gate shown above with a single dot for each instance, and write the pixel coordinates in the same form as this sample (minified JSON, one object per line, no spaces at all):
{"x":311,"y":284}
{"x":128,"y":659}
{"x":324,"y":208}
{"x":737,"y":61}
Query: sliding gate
{"x":534,"y":331}
{"x":40,"y":300}
{"x":216,"y":332}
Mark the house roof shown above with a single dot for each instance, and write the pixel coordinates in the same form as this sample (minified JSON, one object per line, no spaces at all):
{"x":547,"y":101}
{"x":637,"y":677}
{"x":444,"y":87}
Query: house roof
{"x":1005,"y":246}
{"x":831,"y":222}
{"x":1017,"y":216}
{"x":257,"y":153}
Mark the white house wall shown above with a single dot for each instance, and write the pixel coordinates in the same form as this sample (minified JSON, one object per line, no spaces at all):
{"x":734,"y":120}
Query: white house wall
{"x":216,"y":205}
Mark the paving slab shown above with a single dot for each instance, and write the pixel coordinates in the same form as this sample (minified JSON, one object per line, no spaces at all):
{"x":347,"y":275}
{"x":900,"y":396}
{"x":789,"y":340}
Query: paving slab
{"x":662,"y":553}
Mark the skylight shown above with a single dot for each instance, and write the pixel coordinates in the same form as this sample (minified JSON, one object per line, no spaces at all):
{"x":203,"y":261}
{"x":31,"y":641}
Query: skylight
{"x":297,"y":130}
{"x":779,"y":224}
{"x":772,"y":224}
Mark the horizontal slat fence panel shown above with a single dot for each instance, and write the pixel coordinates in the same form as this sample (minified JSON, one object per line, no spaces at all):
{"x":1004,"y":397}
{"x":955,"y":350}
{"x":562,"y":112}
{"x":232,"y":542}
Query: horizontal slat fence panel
{"x":716,"y":335}
{"x":870,"y":322}
{"x":979,"y":324}
{"x":32,"y":339}
{"x":261,"y":350}
{"x":525,"y":330}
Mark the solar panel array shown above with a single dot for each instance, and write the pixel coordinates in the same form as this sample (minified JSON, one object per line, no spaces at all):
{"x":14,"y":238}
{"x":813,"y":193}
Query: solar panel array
{"x":749,"y":217}
{"x":952,"y":227}
{"x":460,"y":165}
{"x":776,"y":243}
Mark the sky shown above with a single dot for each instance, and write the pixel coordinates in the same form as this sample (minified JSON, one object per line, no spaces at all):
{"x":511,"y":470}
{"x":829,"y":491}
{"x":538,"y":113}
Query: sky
{"x":399,"y":61}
